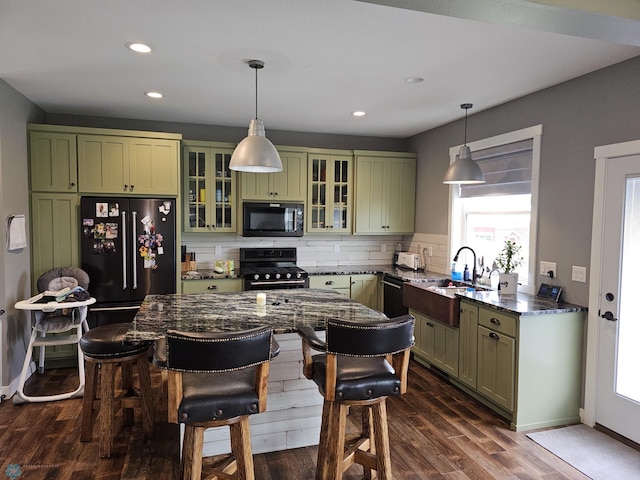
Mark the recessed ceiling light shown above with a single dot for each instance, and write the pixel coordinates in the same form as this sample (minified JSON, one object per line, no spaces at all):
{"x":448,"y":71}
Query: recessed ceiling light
{"x":414,"y":79}
{"x":153,"y":94}
{"x":138,"y":47}
{"x":358,"y":113}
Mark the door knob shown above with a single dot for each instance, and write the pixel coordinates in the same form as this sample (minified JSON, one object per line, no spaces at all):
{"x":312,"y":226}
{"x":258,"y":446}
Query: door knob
{"x":609,"y":316}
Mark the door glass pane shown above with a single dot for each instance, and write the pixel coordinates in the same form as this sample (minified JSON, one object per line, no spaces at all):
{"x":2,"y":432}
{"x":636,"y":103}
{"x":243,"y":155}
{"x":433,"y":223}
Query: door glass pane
{"x":628,"y":357}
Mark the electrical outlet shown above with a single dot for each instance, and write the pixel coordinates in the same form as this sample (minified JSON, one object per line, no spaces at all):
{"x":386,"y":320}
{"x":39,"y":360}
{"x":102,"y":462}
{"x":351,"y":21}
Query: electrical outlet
{"x":336,"y":248}
{"x":383,"y":247}
{"x":217,"y":250}
{"x":429,"y":251}
{"x":579,"y":274}
{"x":546,"y":267}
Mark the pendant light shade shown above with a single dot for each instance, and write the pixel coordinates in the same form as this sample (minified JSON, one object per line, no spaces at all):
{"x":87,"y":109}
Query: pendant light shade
{"x":464,"y":170}
{"x":256,"y":153}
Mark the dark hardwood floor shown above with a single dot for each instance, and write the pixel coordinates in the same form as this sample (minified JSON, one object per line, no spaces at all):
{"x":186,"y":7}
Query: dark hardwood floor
{"x":436,"y":432}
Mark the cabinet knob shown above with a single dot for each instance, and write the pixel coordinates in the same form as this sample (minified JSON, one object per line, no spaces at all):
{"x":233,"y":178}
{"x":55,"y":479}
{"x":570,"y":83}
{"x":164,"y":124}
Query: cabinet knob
{"x":212,"y":287}
{"x":429,"y":324}
{"x":131,"y":188}
{"x":494,"y":335}
{"x":329,"y":282}
{"x":495,"y":321}
{"x":73,"y":184}
{"x":125,"y":187}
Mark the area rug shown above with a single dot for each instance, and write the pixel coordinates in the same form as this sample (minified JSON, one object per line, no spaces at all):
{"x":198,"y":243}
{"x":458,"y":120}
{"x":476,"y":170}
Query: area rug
{"x":595,"y":454}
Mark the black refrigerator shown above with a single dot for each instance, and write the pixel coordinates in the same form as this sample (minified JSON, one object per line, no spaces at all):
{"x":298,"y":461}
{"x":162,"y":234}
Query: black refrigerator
{"x":128,"y":249}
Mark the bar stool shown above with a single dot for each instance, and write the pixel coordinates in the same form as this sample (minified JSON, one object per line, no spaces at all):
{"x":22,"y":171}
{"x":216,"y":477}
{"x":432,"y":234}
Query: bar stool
{"x":221,"y":379}
{"x":362,"y":364}
{"x":104,"y":349}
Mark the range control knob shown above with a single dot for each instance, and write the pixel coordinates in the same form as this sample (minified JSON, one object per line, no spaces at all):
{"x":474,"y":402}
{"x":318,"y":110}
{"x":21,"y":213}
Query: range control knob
{"x":256,"y":276}
{"x":298,"y":275}
{"x":277,"y":276}
{"x":288,"y":275}
{"x":267,"y":276}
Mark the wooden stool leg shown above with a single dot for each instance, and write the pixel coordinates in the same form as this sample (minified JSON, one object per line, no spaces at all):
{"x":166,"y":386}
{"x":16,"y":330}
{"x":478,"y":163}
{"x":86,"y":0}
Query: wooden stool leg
{"x":127,"y":386}
{"x":381,"y":432}
{"x":91,"y":382}
{"x":146,"y":396}
{"x":107,"y":408}
{"x":331,"y":448}
{"x":192,"y":452}
{"x":241,"y":449}
{"x":368,"y":431}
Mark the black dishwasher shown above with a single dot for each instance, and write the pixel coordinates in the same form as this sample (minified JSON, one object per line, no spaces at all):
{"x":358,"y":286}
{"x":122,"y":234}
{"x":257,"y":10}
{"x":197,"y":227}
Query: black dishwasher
{"x":392,"y":295}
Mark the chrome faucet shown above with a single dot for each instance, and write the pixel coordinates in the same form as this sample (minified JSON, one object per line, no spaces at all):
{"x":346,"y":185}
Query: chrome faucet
{"x":475,"y":261}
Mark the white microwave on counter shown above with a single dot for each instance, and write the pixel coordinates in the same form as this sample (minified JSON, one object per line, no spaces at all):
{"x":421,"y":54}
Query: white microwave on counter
{"x":270,"y":219}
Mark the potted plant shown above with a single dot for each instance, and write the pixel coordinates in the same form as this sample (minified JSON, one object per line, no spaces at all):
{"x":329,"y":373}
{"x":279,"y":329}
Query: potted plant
{"x":507,"y":261}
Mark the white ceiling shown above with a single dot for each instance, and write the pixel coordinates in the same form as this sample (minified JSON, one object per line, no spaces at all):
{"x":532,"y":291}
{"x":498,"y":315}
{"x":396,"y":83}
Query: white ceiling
{"x":324,"y":58}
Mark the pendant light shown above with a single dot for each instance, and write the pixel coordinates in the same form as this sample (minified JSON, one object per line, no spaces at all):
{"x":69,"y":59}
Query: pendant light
{"x":256,"y":153}
{"x":464,"y":170}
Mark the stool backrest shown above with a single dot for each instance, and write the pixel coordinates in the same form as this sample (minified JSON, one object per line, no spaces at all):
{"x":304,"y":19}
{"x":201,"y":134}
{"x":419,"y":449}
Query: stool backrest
{"x":375,"y":339}
{"x":218,"y":352}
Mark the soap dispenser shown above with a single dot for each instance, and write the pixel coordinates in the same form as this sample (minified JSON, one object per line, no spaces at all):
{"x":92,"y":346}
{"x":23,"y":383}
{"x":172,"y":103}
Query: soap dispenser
{"x":466,"y":274}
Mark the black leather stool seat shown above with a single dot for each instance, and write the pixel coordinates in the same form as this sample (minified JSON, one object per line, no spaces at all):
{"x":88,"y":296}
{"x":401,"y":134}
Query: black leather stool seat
{"x":358,"y":378}
{"x":229,"y":395}
{"x":107,"y":341}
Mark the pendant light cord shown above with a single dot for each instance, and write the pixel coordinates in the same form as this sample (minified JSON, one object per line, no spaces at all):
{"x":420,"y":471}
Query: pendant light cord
{"x":257,"y":93}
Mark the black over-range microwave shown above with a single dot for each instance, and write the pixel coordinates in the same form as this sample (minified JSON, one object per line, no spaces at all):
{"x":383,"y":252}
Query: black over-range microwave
{"x":272,"y":219}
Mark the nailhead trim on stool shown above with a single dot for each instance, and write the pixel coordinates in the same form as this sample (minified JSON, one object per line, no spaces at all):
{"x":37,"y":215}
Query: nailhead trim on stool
{"x":104,"y":349}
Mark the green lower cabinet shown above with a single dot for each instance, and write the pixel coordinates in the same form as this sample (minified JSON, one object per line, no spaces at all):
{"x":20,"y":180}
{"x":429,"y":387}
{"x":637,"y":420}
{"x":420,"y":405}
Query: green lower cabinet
{"x":436,"y":343}
{"x":496,"y":366}
{"x":527,"y":368}
{"x":363,"y":288}
{"x":468,"y":345}
{"x":212,"y":285}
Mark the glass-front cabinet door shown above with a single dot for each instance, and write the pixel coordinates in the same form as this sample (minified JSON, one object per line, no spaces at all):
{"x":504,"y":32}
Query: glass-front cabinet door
{"x":209,"y":188}
{"x":329,"y":194}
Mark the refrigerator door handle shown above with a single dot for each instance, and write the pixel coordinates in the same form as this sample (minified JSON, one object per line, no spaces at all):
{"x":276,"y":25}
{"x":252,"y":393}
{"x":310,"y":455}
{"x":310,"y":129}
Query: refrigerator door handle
{"x":134,"y":264}
{"x":124,"y":250}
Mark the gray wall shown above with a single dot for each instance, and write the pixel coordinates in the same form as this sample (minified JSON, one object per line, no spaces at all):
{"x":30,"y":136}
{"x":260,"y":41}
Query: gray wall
{"x":15,"y":112}
{"x":218,"y":133}
{"x":597,"y":109}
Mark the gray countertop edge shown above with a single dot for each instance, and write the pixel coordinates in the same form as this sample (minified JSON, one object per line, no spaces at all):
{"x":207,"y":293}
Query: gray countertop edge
{"x":520,"y":303}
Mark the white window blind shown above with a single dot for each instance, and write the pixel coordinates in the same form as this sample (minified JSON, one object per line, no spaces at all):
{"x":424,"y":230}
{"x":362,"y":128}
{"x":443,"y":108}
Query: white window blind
{"x":506,"y":168}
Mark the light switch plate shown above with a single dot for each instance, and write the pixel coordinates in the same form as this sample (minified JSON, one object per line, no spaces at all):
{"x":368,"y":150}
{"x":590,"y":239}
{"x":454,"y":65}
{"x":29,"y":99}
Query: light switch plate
{"x":579,"y":274}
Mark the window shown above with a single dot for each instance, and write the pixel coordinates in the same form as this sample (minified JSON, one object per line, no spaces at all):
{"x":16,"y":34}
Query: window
{"x":504,"y":208}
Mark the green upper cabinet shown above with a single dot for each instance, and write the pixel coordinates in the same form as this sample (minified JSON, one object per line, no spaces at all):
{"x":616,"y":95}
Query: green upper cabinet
{"x":329,"y":199}
{"x":127,"y":165}
{"x":153,"y":166}
{"x":288,"y":185}
{"x":52,"y":162}
{"x":209,"y":187}
{"x":385,"y":193}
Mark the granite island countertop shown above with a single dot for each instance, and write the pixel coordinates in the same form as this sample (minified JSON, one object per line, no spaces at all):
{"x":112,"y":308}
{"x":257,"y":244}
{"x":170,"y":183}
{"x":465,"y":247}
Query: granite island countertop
{"x":205,"y":312}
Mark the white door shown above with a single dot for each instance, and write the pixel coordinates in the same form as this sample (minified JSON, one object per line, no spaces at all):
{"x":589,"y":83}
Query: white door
{"x":618,"y":346}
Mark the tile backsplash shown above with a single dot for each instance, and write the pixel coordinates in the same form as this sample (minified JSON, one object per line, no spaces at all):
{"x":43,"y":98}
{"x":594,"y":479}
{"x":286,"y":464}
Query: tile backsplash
{"x":323,"y":250}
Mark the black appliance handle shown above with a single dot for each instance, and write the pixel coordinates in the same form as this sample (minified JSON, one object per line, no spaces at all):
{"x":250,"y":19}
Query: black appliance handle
{"x":134,"y":264}
{"x":124,"y":250}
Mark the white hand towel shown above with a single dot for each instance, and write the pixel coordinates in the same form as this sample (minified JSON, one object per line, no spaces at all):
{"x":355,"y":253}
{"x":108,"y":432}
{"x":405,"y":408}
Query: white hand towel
{"x":16,"y":233}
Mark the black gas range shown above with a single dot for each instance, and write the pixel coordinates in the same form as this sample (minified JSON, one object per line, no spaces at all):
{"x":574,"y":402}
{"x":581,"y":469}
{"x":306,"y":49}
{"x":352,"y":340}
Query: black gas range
{"x":271,"y":268}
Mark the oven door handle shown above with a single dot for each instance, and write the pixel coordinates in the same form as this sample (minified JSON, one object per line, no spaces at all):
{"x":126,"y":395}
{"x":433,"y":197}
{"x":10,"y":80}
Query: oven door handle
{"x":283,"y":282}
{"x":399,"y":287}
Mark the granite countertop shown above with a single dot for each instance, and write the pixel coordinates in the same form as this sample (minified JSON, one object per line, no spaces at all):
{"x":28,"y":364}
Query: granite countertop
{"x":207,"y":273}
{"x":205,"y":312}
{"x":520,"y":303}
